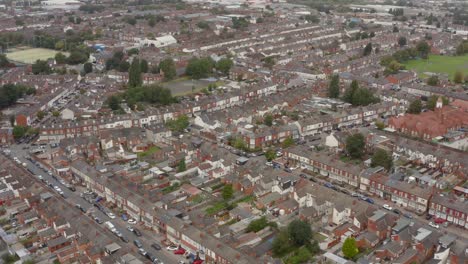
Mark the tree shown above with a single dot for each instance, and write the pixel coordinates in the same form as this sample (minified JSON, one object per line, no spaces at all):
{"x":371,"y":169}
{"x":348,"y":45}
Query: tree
{"x":415,"y":107}
{"x":350,"y":249}
{"x":41,"y":66}
{"x":395,"y":29}
{"x":181,"y":166}
{"x":224,"y":65}
{"x":433,"y":80}
{"x":203,"y":25}
{"x":281,"y":245}
{"x":55,"y":113}
{"x":348,"y":95}
{"x":382,"y":158}
{"x":458,"y":77}
{"x":368,"y":49}
{"x":19,"y":131}
{"x":312,"y":19}
{"x":179,"y":124}
{"x":168,"y":67}
{"x":239,"y":22}
{"x":152,"y":22}
{"x":270,"y":155}
{"x":302,"y":255}
{"x":40,"y":115}
{"x":258,"y":224}
{"x":199,"y":68}
{"x":77,"y":57}
{"x":423,"y":49}
{"x":88,"y":67}
{"x":60,"y":58}
{"x":144,"y":66}
{"x":432,"y":101}
{"x":134,"y":74}
{"x":300,"y":232}
{"x":227,"y":192}
{"x":269,"y":62}
{"x":113,"y":102}
{"x":355,"y":145}
{"x":268,"y":120}
{"x":239,"y":143}
{"x":334,"y":87}
{"x":288,"y":142}
{"x":380,"y":125}
{"x":402,"y":41}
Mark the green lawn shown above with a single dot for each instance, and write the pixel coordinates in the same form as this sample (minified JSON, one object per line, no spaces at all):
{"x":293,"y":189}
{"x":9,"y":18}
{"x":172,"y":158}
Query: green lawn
{"x":439,"y":64}
{"x":148,"y":152}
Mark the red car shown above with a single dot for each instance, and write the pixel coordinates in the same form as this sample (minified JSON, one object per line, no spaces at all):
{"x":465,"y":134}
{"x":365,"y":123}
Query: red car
{"x":180,"y":251}
{"x":439,"y":220}
{"x":198,"y":261}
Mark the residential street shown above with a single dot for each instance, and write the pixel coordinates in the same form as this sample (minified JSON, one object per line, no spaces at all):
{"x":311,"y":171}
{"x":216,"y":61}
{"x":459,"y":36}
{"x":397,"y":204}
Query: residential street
{"x":73,"y":198}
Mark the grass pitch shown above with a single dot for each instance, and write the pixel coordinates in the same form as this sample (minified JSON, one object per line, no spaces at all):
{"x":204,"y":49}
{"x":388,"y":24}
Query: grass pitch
{"x":440,"y":64}
{"x":31,"y":55}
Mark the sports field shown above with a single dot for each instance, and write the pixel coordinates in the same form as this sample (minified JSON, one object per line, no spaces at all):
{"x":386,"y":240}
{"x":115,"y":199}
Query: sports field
{"x":30,"y":55}
{"x":439,"y":64}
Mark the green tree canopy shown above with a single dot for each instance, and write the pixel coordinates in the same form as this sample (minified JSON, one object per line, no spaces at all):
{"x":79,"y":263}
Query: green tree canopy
{"x":300,"y":232}
{"x":40,"y":67}
{"x":10,"y":93}
{"x":382,"y":158}
{"x":19,"y":131}
{"x":367,"y":49}
{"x":134,"y":74}
{"x":179,"y":124}
{"x":270,"y":154}
{"x":415,"y":107}
{"x":199,"y":68}
{"x":458,"y":77}
{"x":113,"y":102}
{"x":268,"y":119}
{"x":350,"y":249}
{"x":289,"y":141}
{"x":402,"y":41}
{"x":181,"y":166}
{"x":168,"y":67}
{"x":60,"y":58}
{"x":433,"y":80}
{"x":227,"y":192}
{"x":143,"y":66}
{"x":355,"y":145}
{"x":88,"y":67}
{"x":423,"y":49}
{"x":334,"y":86}
{"x":224,"y":65}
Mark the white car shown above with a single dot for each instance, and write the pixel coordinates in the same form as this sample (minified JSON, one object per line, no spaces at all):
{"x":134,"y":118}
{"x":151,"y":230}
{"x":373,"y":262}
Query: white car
{"x":269,"y":163}
{"x":172,"y":248}
{"x":434,"y":225}
{"x":111,"y":215}
{"x":129,"y":228}
{"x":131,"y":221}
{"x":388,"y":207}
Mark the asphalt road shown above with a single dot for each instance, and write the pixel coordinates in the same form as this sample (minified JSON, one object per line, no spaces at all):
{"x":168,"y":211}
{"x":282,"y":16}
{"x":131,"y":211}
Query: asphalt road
{"x":74,"y":198}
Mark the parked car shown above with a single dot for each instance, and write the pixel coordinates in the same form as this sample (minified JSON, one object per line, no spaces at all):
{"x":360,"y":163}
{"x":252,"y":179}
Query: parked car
{"x":124,"y":217}
{"x":180,"y":251}
{"x":142,"y":252}
{"x":369,"y":200}
{"x":156,"y":246}
{"x":137,"y":232}
{"x":408,"y":215}
{"x":428,"y":217}
{"x":172,"y":248}
{"x":197,"y":261}
{"x":132,"y":221}
{"x":137,"y":243}
{"x":434,"y":225}
{"x":111,"y":215}
{"x":124,"y":239}
{"x":98,"y":220}
{"x":439,"y":220}
{"x":129,"y":228}
{"x":396,"y":211}
{"x":388,"y":207}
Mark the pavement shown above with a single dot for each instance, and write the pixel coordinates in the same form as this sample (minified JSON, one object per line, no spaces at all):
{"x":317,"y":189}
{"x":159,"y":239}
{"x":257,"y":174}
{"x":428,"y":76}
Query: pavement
{"x":73,"y":198}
